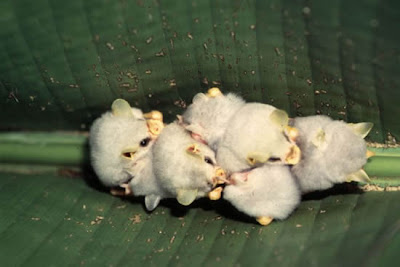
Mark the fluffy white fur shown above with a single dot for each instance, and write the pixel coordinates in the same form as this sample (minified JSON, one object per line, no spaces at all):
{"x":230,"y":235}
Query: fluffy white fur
{"x":109,"y":136}
{"x":269,"y":191}
{"x":235,"y":129}
{"x":170,"y":168}
{"x":208,"y":117}
{"x":326,"y":159}
{"x":251,"y":131}
{"x":175,"y":168}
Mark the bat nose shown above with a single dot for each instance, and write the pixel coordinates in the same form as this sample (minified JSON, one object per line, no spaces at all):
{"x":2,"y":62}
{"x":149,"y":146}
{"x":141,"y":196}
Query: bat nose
{"x":292,"y":133}
{"x":219,"y":178}
{"x":293,"y":156}
{"x":153,"y":115}
{"x":219,"y":172}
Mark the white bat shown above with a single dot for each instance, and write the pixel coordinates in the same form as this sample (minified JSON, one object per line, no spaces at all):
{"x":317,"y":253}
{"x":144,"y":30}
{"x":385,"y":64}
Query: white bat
{"x":267,"y":192}
{"x":120,"y":141}
{"x":184,"y":168}
{"x":332,"y":152}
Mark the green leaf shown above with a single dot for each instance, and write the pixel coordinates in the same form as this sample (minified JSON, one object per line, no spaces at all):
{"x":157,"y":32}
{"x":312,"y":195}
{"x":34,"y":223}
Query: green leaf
{"x":53,"y":220}
{"x":63,"y":63}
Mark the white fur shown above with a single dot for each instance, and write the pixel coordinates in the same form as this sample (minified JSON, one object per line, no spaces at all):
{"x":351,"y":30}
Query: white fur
{"x":270,"y":191}
{"x":251,"y":130}
{"x":342,"y":153}
{"x":175,"y":168}
{"x":109,"y":136}
{"x":209,"y":117}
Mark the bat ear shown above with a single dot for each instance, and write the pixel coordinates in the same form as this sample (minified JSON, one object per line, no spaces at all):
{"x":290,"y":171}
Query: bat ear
{"x":186,"y":196}
{"x":358,"y":176}
{"x":151,"y":202}
{"x":279,"y":117}
{"x":200,"y":97}
{"x":121,"y":107}
{"x":193,"y":149}
{"x":256,"y":157}
{"x":319,"y":138}
{"x":361,"y":129}
{"x":213,"y":92}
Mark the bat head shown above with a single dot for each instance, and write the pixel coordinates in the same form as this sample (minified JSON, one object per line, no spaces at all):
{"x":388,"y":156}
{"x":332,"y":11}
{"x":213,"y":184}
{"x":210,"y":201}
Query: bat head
{"x":119,"y":141}
{"x":186,"y":168}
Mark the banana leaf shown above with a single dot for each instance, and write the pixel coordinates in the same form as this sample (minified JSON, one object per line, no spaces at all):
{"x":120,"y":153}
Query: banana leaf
{"x":58,"y":221}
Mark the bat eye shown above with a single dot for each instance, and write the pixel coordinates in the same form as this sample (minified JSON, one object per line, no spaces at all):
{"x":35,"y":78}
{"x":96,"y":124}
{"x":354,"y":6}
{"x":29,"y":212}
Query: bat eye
{"x":208,"y":161}
{"x":145,"y":142}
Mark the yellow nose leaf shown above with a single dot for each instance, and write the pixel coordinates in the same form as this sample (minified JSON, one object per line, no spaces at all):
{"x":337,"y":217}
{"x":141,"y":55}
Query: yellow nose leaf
{"x":155,"y":127}
{"x":291,"y":132}
{"x":154,"y":115}
{"x":294,"y":155}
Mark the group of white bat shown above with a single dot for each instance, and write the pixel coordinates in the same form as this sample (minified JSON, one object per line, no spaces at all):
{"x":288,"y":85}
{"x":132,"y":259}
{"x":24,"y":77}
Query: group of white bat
{"x":252,"y":154}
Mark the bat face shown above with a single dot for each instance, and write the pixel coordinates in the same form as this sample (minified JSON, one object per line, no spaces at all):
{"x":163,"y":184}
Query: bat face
{"x":120,"y":141}
{"x":184,"y":167}
{"x":207,"y":116}
{"x":267,"y":191}
{"x":331,"y":152}
{"x":117,"y":145}
{"x":254,"y":137}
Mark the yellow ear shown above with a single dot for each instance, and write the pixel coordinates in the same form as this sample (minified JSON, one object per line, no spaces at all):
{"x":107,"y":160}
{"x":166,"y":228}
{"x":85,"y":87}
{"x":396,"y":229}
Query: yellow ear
{"x":279,"y":117}
{"x":186,"y":196}
{"x":358,"y":176}
{"x":361,"y":129}
{"x":120,"y":107}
